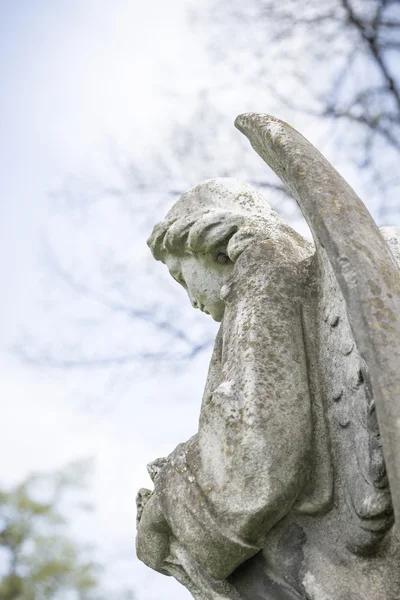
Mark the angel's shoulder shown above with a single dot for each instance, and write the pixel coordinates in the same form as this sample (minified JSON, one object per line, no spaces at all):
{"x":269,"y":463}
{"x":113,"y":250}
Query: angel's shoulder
{"x":279,"y":262}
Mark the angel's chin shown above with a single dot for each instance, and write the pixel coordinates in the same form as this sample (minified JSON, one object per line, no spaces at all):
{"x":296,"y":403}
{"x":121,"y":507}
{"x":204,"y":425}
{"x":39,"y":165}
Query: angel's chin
{"x":216,"y":315}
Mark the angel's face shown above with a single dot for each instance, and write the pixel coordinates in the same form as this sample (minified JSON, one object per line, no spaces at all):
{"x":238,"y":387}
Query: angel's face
{"x":202,"y":276}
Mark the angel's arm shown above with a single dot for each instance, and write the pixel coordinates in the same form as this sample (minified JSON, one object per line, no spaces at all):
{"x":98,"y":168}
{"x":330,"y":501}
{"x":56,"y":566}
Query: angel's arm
{"x":223,"y":490}
{"x":255,"y":431}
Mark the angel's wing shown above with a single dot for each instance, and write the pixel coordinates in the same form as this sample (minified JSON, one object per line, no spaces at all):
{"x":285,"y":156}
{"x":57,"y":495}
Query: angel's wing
{"x":340,"y":380}
{"x":350,"y":245}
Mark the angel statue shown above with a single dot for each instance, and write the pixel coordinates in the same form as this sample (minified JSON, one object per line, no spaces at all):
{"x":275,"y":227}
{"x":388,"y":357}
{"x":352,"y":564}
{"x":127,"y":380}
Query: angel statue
{"x":291,"y":486}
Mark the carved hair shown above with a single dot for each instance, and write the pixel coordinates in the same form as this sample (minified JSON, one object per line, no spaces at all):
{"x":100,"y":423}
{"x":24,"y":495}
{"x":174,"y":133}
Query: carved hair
{"x":197,"y":229}
{"x":204,"y":234}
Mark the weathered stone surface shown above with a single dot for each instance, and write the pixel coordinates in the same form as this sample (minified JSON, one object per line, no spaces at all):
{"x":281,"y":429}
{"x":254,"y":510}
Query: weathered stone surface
{"x":363,"y":265}
{"x":282,"y":493}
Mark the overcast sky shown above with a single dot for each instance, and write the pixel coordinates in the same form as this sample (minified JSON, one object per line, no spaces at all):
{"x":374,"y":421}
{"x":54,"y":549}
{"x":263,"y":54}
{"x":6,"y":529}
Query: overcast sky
{"x":74,"y":75}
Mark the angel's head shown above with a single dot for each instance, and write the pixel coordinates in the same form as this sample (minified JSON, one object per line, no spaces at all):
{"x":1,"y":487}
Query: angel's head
{"x":207,"y":230}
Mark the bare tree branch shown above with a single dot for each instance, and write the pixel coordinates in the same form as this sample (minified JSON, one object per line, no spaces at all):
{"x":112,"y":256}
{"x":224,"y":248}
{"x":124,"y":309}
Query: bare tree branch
{"x":368,"y":32}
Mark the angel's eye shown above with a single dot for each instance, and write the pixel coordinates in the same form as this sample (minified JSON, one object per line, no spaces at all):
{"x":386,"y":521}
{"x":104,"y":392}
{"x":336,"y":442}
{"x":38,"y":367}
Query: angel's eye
{"x":223,"y":258}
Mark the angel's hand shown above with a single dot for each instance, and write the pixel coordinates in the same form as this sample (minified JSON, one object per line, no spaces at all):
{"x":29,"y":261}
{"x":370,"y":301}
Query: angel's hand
{"x":153,"y":535}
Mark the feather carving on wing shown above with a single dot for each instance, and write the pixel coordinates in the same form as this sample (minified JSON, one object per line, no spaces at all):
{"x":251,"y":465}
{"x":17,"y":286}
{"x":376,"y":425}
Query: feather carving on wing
{"x":361,"y":491}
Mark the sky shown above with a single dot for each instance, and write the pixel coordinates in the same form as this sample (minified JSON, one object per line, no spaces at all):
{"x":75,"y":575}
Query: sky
{"x":83,"y":82}
{"x":74,"y":75}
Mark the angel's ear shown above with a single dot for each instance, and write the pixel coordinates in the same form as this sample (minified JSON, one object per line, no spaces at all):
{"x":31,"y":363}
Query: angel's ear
{"x":361,"y":260}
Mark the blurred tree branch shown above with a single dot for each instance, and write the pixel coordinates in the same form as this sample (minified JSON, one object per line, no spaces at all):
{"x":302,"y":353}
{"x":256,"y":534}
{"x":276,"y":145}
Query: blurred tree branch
{"x":338,"y":63}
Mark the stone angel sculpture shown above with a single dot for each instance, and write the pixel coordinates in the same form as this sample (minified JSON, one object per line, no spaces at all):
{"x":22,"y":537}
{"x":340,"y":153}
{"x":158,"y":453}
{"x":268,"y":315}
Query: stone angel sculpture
{"x":289,"y":488}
